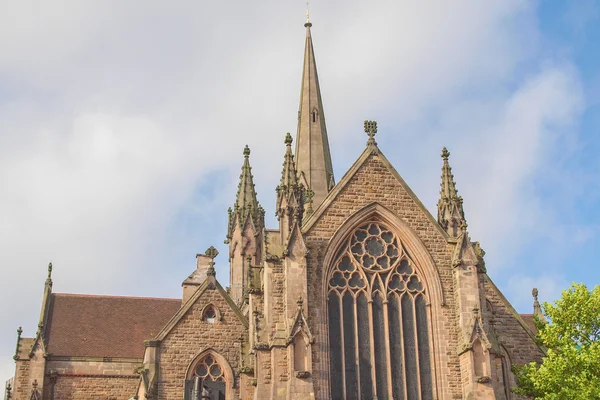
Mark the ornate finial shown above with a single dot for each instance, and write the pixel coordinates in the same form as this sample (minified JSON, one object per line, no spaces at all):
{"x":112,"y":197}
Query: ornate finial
{"x":307,"y":24}
{"x":535,"y":293}
{"x":288,"y":139}
{"x":371,"y":130}
{"x":300,"y":302}
{"x":246,"y":151}
{"x":49,"y":270}
{"x":211,"y":253}
{"x":445,"y":154}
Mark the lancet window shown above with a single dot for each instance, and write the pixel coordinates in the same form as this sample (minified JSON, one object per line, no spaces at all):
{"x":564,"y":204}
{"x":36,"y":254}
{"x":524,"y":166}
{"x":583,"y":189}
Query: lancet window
{"x":377,"y":316}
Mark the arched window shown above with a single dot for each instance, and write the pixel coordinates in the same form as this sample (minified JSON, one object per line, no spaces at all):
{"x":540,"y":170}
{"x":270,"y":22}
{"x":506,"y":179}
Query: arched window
{"x":209,"y":314}
{"x":378,"y":327}
{"x":207,"y":381}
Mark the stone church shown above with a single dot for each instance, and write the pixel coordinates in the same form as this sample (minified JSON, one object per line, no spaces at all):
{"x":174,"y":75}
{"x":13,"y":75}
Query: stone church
{"x":359,"y":293}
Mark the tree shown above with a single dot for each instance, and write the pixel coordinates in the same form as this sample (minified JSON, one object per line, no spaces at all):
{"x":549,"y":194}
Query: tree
{"x":571,"y":367}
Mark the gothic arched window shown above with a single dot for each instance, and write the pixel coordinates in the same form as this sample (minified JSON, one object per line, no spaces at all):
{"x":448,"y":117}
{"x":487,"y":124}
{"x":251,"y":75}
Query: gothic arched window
{"x":207,"y":382}
{"x":378,"y":327}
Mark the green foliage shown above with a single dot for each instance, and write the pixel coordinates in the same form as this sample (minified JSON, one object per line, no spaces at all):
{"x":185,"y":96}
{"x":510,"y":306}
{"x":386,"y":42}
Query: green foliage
{"x":571,"y":367}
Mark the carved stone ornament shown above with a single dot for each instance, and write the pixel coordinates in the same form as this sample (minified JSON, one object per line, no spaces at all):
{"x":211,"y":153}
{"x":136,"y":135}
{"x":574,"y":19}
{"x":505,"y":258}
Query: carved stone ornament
{"x":483,"y":379}
{"x":261,"y":346}
{"x":302,"y":374}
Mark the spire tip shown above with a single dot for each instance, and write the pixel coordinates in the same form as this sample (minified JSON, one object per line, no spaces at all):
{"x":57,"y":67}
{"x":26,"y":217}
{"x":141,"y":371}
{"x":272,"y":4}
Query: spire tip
{"x":288,"y":139}
{"x":445,"y":154}
{"x":246,"y":151}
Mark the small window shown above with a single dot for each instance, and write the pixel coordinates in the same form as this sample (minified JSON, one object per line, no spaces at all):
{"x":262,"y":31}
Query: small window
{"x":314,"y":116}
{"x":210,"y":315}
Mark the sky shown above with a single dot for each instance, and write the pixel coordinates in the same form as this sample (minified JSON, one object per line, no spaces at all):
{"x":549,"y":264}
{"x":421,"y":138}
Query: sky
{"x":122,"y":126}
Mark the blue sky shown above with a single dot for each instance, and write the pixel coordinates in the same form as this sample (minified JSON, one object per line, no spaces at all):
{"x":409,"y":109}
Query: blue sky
{"x":122,"y":127}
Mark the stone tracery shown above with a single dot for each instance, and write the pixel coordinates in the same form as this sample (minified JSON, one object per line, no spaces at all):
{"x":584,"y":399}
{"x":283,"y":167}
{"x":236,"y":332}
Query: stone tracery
{"x":378,"y":327}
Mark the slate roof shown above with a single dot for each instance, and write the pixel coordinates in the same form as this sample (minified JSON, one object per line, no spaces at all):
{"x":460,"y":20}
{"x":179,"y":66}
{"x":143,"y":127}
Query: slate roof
{"x":105,"y":326}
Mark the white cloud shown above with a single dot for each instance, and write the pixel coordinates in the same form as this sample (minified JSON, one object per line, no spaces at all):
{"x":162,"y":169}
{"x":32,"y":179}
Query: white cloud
{"x":122,"y":122}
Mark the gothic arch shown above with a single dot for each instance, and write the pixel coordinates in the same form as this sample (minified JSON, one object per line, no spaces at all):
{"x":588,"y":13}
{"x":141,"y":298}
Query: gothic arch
{"x":422,"y":262}
{"x":228,"y":374}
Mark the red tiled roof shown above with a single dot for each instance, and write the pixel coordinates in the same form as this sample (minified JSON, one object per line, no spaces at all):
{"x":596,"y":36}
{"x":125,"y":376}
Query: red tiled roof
{"x":105,"y":326}
{"x":528,"y":319}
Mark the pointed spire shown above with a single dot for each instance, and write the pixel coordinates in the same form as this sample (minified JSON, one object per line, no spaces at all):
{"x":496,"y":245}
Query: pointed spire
{"x":313,"y":157}
{"x":246,"y":203}
{"x":246,"y":195}
{"x":289,"y":177}
{"x":450,"y":205}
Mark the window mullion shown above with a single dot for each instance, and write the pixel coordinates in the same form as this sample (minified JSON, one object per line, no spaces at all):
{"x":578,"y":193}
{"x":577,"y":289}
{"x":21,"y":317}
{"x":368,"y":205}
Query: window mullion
{"x":416,"y":332}
{"x":388,"y":355}
{"x":372,"y":337}
{"x":343,"y":371}
{"x":357,"y":344}
{"x":405,"y":383}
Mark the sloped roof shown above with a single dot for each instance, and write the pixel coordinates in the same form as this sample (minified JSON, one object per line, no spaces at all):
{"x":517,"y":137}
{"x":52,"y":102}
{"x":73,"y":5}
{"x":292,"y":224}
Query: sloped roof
{"x":528,"y":319}
{"x":105,"y":326}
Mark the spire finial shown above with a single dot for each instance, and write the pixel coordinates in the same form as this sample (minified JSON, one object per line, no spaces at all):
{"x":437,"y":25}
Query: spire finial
{"x":371,"y":130}
{"x":288,"y":139}
{"x":246,"y":151}
{"x":49,"y":270}
{"x":307,"y":24}
{"x":445,"y":154}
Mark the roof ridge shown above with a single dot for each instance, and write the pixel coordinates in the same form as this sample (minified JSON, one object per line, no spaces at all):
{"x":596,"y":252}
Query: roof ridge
{"x":113,"y":296}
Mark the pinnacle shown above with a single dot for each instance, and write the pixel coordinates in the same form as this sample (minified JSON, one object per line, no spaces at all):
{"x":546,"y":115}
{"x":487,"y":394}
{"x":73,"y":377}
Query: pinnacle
{"x":450,"y":205}
{"x":288,"y":139}
{"x":246,"y":202}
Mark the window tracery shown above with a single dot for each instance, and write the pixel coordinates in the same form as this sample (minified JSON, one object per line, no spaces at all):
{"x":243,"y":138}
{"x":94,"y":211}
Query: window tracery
{"x":378,"y":327}
{"x":207,"y":382}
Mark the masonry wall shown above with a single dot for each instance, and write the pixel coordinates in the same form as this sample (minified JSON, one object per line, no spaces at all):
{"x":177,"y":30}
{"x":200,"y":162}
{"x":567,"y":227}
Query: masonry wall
{"x":191,"y":336}
{"x":93,"y":387}
{"x":91,"y":379}
{"x":373,"y":182}
{"x":514,"y":337}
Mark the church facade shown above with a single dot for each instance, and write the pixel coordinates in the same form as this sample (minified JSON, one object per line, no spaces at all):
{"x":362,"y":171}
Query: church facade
{"x":359,"y":293}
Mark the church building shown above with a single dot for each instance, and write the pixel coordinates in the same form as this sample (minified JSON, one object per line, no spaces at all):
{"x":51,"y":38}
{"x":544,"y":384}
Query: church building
{"x":359,"y":293}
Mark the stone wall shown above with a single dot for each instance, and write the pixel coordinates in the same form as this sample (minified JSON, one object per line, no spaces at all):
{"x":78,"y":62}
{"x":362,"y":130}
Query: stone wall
{"x":93,"y":387}
{"x":191,"y":336}
{"x":374,"y":182}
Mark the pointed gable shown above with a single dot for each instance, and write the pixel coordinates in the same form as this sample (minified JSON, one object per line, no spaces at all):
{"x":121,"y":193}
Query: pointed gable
{"x":372,"y":179}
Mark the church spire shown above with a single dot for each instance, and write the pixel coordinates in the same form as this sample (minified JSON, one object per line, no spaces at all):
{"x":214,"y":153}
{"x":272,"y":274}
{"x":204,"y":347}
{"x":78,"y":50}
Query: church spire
{"x":313,"y":158}
{"x":450,"y":204}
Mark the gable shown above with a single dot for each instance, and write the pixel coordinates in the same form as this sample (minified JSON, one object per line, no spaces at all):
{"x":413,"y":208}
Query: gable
{"x":192,"y":309}
{"x":372,"y":179}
